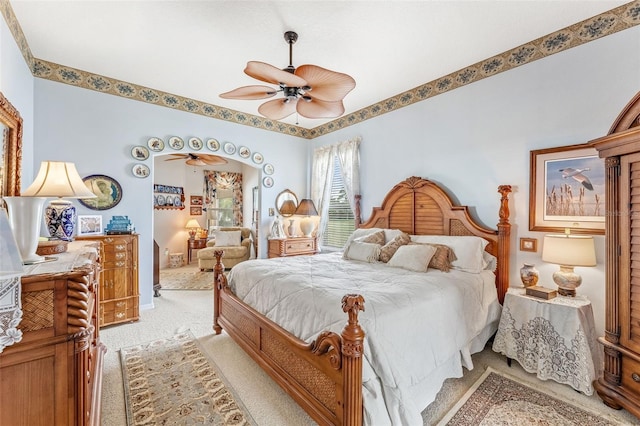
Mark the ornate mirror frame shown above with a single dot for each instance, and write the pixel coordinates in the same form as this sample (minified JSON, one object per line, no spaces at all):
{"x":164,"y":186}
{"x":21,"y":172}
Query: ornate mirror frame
{"x":284,"y":196}
{"x":11,"y":160}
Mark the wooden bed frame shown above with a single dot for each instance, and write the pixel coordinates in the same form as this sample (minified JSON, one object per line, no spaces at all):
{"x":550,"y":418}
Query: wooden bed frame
{"x":325,"y":376}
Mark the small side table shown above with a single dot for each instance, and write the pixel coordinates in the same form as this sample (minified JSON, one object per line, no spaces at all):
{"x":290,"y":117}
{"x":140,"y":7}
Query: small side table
{"x":553,"y":338}
{"x":194,"y":244}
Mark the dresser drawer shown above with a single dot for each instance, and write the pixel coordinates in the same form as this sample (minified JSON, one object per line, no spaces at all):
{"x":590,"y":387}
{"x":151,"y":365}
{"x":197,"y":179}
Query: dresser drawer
{"x":119,"y":310}
{"x":631,"y":374}
{"x":299,"y":246}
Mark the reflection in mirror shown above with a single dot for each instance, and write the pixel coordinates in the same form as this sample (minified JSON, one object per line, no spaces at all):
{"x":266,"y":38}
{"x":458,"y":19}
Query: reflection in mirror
{"x":10,"y":148}
{"x":286,"y":203}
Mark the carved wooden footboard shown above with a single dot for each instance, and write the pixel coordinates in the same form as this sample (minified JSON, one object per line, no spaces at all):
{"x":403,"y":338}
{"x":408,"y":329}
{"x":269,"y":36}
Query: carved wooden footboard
{"x":325,"y":376}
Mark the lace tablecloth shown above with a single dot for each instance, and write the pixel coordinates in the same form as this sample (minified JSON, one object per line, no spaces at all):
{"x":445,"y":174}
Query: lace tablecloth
{"x":553,"y":338}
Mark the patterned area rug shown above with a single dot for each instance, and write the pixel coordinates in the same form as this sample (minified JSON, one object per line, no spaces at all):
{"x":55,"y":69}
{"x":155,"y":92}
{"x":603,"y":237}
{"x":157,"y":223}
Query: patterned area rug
{"x":171,"y":381}
{"x":186,"y":278}
{"x":496,"y":399}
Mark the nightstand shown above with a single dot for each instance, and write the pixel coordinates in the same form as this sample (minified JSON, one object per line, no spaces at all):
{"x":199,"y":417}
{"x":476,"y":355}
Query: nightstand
{"x":195,"y":244}
{"x":296,"y":246}
{"x":553,"y":338}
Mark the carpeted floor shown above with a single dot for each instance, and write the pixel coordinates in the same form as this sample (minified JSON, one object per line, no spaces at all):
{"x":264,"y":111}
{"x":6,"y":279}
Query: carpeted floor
{"x":188,"y":277}
{"x":177,"y":311}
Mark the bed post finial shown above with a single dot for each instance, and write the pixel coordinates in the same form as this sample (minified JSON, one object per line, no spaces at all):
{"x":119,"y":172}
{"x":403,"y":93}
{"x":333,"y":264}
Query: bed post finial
{"x":504,"y":241}
{"x":217,"y":271}
{"x":358,"y":219}
{"x":352,"y":349}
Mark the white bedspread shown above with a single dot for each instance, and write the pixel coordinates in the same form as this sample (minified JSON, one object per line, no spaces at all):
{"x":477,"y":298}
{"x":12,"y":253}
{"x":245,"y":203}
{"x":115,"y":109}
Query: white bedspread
{"x":414,"y":322}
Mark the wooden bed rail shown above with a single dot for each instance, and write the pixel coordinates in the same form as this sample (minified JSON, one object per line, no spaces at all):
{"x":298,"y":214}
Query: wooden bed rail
{"x":324,"y":377}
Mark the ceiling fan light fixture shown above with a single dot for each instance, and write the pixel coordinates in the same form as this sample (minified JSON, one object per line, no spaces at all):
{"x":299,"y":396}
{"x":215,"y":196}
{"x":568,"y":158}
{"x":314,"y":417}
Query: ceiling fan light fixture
{"x":329,"y":88}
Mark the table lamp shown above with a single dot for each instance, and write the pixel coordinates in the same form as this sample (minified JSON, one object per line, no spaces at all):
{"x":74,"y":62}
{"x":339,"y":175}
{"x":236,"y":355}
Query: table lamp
{"x":61,"y":180}
{"x":307,"y":208}
{"x":288,"y":209}
{"x":568,"y":251}
{"x":192,"y":226}
{"x":55,"y":179}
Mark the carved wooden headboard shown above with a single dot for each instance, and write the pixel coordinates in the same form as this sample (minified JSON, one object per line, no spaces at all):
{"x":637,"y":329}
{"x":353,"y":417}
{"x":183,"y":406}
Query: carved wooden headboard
{"x":420,"y":207}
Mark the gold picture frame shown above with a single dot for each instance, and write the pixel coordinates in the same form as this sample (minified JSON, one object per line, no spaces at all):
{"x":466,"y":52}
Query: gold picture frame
{"x":529,"y":244}
{"x":11,"y":152}
{"x":566,"y":190}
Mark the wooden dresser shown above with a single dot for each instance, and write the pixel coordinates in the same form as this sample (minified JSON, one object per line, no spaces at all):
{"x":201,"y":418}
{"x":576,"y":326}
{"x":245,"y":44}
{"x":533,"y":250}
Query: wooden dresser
{"x":619,"y":387}
{"x":297,"y":246}
{"x":53,"y":376}
{"x":119,"y":294}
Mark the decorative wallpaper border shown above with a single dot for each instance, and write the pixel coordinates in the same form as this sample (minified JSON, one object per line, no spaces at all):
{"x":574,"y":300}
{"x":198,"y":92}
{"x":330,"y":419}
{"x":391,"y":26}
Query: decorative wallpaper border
{"x":607,"y":23}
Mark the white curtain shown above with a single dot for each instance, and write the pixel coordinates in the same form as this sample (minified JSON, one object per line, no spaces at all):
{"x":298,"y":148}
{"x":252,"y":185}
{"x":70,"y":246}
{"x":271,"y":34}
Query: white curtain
{"x":348,"y":154}
{"x":321,"y":183}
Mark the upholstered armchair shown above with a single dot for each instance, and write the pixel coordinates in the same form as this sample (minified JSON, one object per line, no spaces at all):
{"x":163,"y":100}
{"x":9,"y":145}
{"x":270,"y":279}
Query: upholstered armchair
{"x":235,"y":242}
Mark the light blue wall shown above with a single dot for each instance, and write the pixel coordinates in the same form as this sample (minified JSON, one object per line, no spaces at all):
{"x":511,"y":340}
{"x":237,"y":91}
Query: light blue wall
{"x":477,"y":137}
{"x":97,"y":131}
{"x":16,"y":84}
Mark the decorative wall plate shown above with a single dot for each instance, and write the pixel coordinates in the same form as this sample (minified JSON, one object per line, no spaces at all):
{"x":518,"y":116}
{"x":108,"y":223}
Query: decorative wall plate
{"x":140,"y":170}
{"x":213,"y":144}
{"x":195,"y":144}
{"x":176,"y":142}
{"x":161,"y":200}
{"x":229,"y":148}
{"x":268,"y":169}
{"x":244,"y":152}
{"x":155,"y":144}
{"x":140,"y":152}
{"x":267,"y":182}
{"x":107,"y":190}
{"x":258,"y":158}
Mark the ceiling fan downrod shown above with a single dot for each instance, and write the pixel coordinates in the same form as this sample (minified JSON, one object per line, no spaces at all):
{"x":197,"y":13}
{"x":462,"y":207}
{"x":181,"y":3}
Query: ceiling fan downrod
{"x":290,"y":37}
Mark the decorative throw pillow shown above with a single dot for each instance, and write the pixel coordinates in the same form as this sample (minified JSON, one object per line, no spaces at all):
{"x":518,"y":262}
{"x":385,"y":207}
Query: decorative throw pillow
{"x":442,"y":258}
{"x":365,"y":252}
{"x":227,"y":238}
{"x":359,"y":233}
{"x":387,"y":251}
{"x":375,"y":238}
{"x":468,"y":249}
{"x":414,"y":257}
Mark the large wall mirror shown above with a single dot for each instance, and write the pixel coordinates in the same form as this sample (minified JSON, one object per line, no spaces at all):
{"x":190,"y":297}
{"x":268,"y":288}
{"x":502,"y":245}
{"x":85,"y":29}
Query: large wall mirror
{"x":11,"y":128}
{"x":286,"y":203}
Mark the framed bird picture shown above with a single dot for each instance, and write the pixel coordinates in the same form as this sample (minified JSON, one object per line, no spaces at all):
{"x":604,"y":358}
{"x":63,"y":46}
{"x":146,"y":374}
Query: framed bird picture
{"x":566,"y":190}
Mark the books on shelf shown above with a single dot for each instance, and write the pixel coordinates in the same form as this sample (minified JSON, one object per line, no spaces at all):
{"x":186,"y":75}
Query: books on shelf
{"x":541,"y":292}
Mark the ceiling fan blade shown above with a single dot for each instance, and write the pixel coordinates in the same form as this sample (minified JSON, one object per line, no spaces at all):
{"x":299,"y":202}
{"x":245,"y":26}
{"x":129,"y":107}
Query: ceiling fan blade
{"x":195,"y":162}
{"x":177,"y":158}
{"x":326,"y":85}
{"x":250,"y":92}
{"x":212,"y":160}
{"x":270,"y":74}
{"x":278,"y":109}
{"x":320,"y":109}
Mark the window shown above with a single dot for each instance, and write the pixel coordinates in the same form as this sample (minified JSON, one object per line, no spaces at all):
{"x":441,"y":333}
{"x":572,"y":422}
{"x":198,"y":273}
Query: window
{"x":340,"y":222}
{"x":221,"y":210}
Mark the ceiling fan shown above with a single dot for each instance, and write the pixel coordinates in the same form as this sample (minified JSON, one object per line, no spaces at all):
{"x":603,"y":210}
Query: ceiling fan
{"x":198,"y":159}
{"x":310,"y":90}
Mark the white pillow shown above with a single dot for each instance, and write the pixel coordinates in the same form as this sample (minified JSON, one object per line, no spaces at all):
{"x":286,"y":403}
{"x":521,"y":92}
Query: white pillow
{"x":365,"y":252}
{"x":469,"y":250}
{"x":227,"y":238}
{"x":413,"y":257}
{"x":359,"y":233}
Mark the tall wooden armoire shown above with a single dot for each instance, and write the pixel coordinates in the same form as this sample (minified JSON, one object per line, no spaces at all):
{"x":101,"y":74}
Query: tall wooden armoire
{"x":619,"y":387}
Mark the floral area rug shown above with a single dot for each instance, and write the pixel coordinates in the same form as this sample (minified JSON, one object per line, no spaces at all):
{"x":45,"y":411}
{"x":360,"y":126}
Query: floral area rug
{"x":171,"y":381}
{"x":186,"y":278}
{"x":499,"y":400}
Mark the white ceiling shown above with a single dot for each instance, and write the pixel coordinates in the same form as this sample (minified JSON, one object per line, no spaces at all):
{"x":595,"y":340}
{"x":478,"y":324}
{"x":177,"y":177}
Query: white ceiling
{"x":198,"y":49}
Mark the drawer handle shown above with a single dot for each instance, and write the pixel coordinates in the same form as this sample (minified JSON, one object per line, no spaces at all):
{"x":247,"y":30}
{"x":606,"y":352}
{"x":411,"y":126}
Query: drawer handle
{"x":120,"y":255}
{"x":120,"y":264}
{"x":120,"y":304}
{"x":635,"y":377}
{"x":120,"y":315}
{"x":289,"y":247}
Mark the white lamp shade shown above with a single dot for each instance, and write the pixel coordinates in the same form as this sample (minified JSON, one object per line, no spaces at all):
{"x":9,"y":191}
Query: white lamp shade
{"x":192,"y":223}
{"x":569,"y":250}
{"x":58,"y":179}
